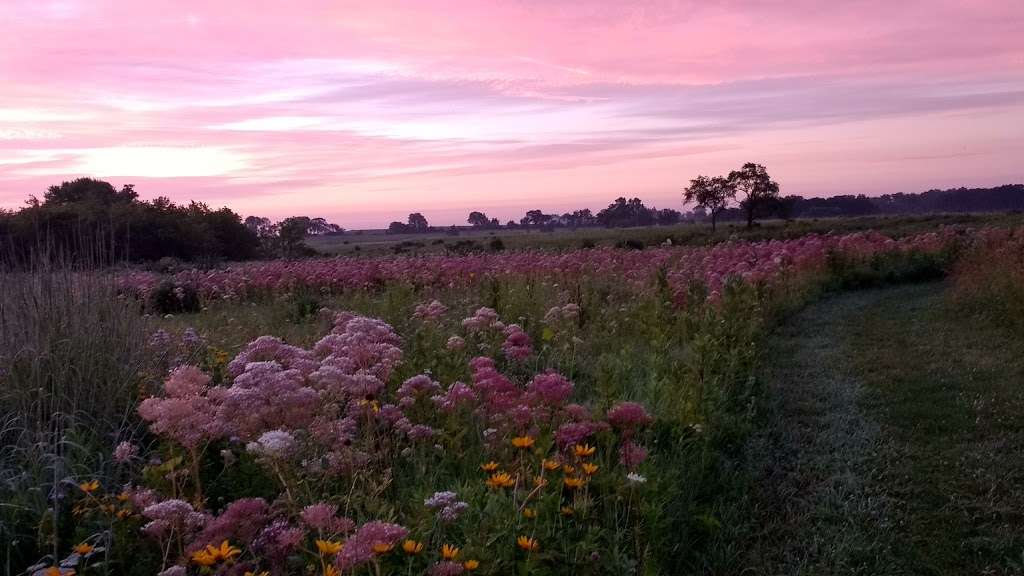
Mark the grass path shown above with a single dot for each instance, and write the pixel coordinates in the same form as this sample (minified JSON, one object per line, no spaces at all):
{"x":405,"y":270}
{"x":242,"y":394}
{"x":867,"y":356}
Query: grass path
{"x":895,"y":442}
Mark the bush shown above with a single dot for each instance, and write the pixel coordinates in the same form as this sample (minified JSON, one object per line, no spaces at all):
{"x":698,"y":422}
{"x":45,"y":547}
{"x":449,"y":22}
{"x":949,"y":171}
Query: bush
{"x":171,"y":298}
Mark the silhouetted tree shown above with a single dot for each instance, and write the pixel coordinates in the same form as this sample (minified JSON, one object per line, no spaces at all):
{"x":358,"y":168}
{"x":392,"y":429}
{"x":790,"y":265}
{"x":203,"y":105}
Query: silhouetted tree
{"x":758,"y":192}
{"x":398,"y":228}
{"x":710,"y":193}
{"x":478,"y":220}
{"x":418,"y":223}
{"x":624,"y":212}
{"x":292,"y":233}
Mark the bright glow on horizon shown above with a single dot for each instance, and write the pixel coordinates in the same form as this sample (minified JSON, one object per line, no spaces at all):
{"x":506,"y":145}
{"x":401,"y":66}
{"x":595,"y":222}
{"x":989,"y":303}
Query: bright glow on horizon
{"x":362,"y":112}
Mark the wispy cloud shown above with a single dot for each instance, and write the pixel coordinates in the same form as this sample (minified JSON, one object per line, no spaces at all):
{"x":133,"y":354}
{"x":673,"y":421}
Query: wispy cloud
{"x":348,"y":109}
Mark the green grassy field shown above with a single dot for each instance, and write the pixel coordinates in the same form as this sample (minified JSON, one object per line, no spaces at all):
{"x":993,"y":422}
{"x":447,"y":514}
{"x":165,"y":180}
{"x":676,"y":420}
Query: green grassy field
{"x":377,"y":242}
{"x":896,"y":443}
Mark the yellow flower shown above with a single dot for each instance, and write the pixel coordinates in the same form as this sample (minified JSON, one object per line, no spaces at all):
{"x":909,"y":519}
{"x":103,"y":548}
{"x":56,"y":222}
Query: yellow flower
{"x":567,"y":511}
{"x":523,"y":442}
{"x":583,"y":450}
{"x":540,"y":481}
{"x":204,"y":558}
{"x":328,"y":547}
{"x":412,"y":547}
{"x":263,"y":573}
{"x":83,"y":548}
{"x":589,"y":469}
{"x":529,"y":513}
{"x":501,"y":480}
{"x":223,"y":552}
{"x":470,"y":565}
{"x":550,"y":465}
{"x":55,"y":571}
{"x":89,"y":487}
{"x":573,"y":483}
{"x":528,"y":544}
{"x":489,"y":467}
{"x":123,"y":496}
{"x":382,"y":548}
{"x":566,"y":469}
{"x":330,"y":570}
{"x":449,"y":552}
{"x":122,"y":514}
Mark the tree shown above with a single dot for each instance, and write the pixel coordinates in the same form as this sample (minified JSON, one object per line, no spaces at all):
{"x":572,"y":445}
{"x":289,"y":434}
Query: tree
{"x":418,"y":223}
{"x":758,"y":191}
{"x":478,"y":220}
{"x":398,"y":228}
{"x":89,"y":190}
{"x":624,"y":212}
{"x":291,"y":233}
{"x":711,"y":194}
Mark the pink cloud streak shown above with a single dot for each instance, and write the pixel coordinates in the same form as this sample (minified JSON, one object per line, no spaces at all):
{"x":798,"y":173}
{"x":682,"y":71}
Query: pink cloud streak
{"x":363,"y":111}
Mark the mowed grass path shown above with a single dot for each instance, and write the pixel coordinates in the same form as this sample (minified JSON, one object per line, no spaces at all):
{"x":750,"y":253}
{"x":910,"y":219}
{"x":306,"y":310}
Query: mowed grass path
{"x":895,"y":442}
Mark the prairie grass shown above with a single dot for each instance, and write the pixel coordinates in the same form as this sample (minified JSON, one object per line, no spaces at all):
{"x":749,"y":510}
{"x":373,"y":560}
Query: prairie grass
{"x":72,"y":354}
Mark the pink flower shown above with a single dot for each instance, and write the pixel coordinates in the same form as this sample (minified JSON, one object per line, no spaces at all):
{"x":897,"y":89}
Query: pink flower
{"x":240,"y":522}
{"x":125,"y":451}
{"x":632,"y":455}
{"x":323,"y":517}
{"x":550,"y":388}
{"x":628,"y":416}
{"x":359,"y":548}
{"x":518,"y":344}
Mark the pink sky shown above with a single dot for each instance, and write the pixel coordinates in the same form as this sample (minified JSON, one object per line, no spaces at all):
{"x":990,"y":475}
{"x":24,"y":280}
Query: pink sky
{"x":364,"y":111}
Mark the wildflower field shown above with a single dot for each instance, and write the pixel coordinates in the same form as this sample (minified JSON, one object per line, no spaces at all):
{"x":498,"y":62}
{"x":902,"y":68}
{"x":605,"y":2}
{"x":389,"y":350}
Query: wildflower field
{"x":529,"y":412}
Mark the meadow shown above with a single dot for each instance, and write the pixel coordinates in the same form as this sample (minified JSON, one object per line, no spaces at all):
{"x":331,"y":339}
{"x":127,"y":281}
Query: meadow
{"x":543,"y":409}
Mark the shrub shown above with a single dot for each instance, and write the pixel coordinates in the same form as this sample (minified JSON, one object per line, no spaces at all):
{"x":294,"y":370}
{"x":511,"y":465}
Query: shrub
{"x":171,"y":298}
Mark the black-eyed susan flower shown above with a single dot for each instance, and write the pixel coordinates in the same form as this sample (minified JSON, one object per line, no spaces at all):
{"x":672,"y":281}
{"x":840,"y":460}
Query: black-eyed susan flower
{"x":449,"y":552}
{"x":567,"y":511}
{"x":527,"y":544}
{"x":572,"y":482}
{"x":523,"y":442}
{"x":382,"y":548}
{"x":501,"y":480}
{"x":489,"y":467}
{"x":550,"y":465}
{"x":328,"y":547}
{"x":529,"y":513}
{"x":589,"y":469}
{"x":471,"y":565}
{"x":583,"y":450}
{"x":412,"y":547}
{"x":90,"y":486}
{"x":83,"y":549}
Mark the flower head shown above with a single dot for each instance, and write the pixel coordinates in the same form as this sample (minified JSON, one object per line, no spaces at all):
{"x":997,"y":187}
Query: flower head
{"x":523,"y":442}
{"x":328,"y":547}
{"x":501,"y":480}
{"x":527,"y":544}
{"x":412,"y":547}
{"x":449,"y":552}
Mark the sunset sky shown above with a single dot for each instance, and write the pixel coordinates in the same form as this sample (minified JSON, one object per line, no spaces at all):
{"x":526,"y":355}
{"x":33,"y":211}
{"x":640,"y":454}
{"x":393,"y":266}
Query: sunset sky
{"x":364,"y":111}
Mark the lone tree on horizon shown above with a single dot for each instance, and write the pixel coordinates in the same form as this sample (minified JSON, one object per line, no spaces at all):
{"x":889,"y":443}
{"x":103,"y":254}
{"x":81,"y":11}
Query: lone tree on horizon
{"x":478,"y":219}
{"x":758,"y":191}
{"x":711,"y":194}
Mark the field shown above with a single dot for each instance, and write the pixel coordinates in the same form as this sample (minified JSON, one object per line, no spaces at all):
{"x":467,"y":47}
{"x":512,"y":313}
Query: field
{"x":818,"y":397}
{"x":378,"y":242}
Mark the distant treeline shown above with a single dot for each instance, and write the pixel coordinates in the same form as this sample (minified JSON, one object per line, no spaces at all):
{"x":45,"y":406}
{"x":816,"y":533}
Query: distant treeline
{"x":90,"y":219}
{"x":87,"y":219}
{"x":999,"y":199}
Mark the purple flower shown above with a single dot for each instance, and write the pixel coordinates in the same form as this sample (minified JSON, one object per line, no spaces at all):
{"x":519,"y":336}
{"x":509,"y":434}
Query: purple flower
{"x":125,"y":451}
{"x":359,"y":548}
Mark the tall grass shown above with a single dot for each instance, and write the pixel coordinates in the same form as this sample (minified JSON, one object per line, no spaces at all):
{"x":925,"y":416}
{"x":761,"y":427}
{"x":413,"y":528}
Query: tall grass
{"x":71,"y":356}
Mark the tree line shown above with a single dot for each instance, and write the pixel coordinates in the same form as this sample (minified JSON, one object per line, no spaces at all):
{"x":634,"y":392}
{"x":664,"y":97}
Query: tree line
{"x":90,"y":219}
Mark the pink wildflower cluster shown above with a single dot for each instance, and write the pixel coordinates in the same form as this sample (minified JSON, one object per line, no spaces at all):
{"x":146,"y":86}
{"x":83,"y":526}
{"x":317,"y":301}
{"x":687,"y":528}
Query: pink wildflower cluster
{"x":753,"y":261}
{"x":358,"y":549}
{"x":517,"y":344}
{"x":431,"y":312}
